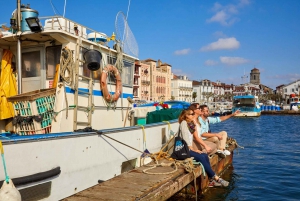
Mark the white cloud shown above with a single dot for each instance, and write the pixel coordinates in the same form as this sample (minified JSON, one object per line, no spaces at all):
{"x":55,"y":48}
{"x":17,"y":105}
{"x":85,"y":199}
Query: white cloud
{"x":222,"y":44}
{"x":180,"y":72}
{"x":182,"y":52}
{"x":210,"y":63}
{"x":219,"y":34}
{"x":290,"y":77}
{"x":232,"y":61}
{"x":226,"y":15}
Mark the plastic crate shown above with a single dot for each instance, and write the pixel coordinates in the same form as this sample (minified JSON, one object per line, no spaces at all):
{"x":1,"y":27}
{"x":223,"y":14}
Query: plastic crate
{"x":31,"y":105}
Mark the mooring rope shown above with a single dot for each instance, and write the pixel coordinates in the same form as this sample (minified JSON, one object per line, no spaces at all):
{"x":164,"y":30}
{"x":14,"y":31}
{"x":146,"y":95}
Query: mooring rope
{"x":233,"y":141}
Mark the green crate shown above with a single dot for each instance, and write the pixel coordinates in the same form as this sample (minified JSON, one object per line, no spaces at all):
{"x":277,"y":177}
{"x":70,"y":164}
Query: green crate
{"x":38,"y":102}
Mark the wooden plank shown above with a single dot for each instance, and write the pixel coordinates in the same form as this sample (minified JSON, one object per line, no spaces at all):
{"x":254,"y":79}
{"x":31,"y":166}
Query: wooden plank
{"x":171,"y":187}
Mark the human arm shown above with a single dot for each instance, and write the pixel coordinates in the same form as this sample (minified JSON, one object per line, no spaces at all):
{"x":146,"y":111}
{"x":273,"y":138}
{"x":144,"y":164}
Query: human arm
{"x":223,"y":118}
{"x":188,"y":136}
{"x":207,"y":135}
{"x":200,"y":141}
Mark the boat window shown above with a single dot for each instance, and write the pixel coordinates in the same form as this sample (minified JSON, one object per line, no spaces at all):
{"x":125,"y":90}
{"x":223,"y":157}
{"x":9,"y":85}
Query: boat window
{"x":248,"y":102}
{"x":31,"y":64}
{"x":52,"y":58}
{"x":127,"y":72}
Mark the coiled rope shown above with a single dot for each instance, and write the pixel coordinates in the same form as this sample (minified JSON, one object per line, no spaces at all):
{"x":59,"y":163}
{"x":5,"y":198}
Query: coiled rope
{"x":232,"y":141}
{"x":66,"y":71}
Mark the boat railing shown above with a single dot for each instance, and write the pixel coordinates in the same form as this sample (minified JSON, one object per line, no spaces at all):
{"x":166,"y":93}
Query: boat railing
{"x":61,"y":23}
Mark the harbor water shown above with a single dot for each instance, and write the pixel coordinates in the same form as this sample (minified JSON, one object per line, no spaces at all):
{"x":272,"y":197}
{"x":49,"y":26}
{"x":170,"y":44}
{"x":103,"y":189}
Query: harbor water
{"x":269,"y":165}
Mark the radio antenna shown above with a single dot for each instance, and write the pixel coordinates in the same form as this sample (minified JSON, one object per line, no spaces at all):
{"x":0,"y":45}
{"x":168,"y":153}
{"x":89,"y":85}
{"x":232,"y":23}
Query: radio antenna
{"x":65,"y":8}
{"x":128,"y":10}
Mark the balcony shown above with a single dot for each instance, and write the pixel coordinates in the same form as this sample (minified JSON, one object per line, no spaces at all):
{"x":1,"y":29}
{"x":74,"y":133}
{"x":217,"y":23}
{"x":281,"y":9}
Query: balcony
{"x":186,"y":88}
{"x":144,"y":82}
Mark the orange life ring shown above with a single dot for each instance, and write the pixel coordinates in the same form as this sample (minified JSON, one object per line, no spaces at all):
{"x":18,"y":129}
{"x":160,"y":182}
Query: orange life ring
{"x":107,"y":96}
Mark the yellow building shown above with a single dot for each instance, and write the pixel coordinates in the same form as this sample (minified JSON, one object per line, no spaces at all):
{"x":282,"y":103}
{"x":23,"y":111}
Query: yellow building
{"x":160,"y":80}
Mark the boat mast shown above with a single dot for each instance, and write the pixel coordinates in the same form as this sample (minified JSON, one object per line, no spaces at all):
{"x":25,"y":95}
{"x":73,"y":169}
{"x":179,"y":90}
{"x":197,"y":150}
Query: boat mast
{"x":19,"y":47}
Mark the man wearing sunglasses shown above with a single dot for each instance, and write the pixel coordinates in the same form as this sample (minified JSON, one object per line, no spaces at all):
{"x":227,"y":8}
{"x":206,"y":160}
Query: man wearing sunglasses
{"x":206,"y":134}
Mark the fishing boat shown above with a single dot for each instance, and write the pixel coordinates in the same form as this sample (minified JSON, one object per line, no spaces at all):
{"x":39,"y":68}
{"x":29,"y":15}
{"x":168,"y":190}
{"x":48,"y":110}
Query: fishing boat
{"x":294,"y":102}
{"x":247,"y":104}
{"x":65,"y":102}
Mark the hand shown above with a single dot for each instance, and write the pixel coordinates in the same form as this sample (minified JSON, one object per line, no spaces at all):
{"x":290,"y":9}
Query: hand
{"x":199,"y":151}
{"x":236,"y":112}
{"x":220,"y":137}
{"x":208,"y":149}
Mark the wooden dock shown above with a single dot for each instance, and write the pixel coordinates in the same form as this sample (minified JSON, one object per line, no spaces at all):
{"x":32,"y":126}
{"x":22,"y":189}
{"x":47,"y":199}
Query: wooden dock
{"x":137,"y":185}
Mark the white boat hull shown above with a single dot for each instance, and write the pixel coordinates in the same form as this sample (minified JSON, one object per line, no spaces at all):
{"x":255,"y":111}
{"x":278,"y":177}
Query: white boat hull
{"x":248,"y":114}
{"x":84,"y":158}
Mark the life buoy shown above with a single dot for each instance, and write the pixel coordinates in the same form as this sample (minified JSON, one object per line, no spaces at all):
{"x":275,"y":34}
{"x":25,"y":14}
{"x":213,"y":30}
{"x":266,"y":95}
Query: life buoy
{"x":107,"y":96}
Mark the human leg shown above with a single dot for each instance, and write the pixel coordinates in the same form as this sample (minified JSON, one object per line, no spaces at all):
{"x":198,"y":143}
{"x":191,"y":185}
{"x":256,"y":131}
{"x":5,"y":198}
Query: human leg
{"x":214,"y":140}
{"x":203,"y":158}
{"x":223,"y":141}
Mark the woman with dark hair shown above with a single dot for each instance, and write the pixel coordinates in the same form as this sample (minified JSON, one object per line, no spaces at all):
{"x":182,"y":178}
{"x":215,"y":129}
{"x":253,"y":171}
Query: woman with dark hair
{"x":186,"y":121}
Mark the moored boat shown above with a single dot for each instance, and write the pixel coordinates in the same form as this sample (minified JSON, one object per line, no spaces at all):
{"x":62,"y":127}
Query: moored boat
{"x":63,"y":119}
{"x":247,"y":104}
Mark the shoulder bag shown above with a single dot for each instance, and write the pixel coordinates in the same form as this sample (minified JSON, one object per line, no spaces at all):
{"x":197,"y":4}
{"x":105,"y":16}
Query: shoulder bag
{"x":181,"y":150}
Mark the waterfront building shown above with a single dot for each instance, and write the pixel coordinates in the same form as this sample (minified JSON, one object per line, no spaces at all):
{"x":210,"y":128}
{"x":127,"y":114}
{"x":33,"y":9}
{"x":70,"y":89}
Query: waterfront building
{"x":136,"y":81}
{"x":181,"y":88}
{"x":160,"y":80}
{"x":204,"y":90}
{"x":222,"y":91}
{"x":291,"y":88}
{"x":145,"y":82}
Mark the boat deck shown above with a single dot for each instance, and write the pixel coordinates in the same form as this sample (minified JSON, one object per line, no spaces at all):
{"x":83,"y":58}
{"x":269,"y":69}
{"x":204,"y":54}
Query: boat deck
{"x":136,"y":185}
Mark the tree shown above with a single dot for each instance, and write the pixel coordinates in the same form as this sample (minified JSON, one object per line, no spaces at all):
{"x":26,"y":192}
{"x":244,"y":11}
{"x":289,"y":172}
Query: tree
{"x":172,"y":98}
{"x":207,"y":95}
{"x":194,"y":95}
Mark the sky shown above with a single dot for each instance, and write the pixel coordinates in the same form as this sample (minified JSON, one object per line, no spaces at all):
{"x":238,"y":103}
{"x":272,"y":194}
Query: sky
{"x":216,"y":40}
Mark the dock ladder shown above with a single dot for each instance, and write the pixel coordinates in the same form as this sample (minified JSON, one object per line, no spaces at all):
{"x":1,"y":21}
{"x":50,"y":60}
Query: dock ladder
{"x":79,"y":92}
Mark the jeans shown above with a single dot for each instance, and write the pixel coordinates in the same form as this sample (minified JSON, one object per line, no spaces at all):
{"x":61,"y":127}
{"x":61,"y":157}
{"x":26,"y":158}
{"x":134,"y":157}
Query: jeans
{"x":203,"y":158}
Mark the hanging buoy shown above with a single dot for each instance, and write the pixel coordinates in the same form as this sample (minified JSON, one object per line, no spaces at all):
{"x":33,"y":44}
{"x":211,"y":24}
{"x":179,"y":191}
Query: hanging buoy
{"x":103,"y":83}
{"x":8,"y":191}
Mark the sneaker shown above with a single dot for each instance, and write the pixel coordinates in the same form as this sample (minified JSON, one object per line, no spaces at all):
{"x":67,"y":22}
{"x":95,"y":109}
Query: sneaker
{"x":226,"y":152}
{"x":220,"y":154}
{"x":223,"y":182}
{"x":214,"y":183}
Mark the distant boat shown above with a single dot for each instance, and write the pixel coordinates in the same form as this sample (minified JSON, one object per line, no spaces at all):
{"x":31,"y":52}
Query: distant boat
{"x":247,"y":104}
{"x":294,"y":102}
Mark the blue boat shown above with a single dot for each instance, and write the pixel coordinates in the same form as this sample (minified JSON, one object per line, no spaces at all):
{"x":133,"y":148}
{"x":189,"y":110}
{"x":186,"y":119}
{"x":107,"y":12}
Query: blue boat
{"x":247,"y":104}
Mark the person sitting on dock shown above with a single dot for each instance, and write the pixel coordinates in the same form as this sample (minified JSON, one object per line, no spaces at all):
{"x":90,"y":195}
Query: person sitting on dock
{"x":218,"y":138}
{"x":187,"y":118}
{"x":210,"y":147}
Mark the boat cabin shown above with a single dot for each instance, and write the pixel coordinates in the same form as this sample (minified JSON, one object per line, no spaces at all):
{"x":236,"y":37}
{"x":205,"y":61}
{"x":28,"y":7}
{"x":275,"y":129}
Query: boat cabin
{"x":71,"y":59}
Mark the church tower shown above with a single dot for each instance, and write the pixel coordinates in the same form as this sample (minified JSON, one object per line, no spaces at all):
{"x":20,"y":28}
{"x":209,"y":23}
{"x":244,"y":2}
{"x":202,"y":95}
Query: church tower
{"x":255,"y":76}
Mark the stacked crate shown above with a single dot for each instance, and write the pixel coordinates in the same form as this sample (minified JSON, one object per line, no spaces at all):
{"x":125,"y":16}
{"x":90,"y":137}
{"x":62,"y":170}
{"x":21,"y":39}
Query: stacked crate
{"x":30,"y":107}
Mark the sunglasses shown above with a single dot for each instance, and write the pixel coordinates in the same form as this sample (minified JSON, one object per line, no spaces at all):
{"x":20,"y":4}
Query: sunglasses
{"x":192,"y":114}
